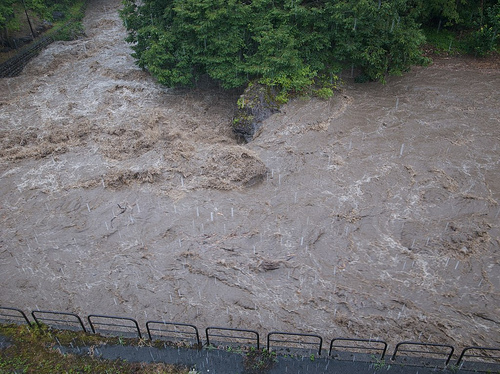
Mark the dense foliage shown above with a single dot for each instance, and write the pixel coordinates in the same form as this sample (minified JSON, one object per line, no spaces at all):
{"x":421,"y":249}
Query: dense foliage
{"x":461,"y":13}
{"x":6,"y":13}
{"x":288,"y":43}
{"x":42,"y":8}
{"x":477,"y":22}
{"x":42,"y":15}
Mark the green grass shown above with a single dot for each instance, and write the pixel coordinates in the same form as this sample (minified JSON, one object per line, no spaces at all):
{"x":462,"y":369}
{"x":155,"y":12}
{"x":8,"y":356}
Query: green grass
{"x":452,"y":43}
{"x":34,"y":350}
{"x":61,"y":30}
{"x":445,"y":42}
{"x":259,"y":361}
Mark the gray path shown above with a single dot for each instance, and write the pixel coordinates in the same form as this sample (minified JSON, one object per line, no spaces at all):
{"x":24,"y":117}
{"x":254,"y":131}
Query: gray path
{"x":222,"y":362}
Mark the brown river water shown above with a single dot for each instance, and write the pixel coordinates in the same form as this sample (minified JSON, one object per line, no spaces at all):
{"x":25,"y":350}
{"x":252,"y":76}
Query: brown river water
{"x":373,"y":214}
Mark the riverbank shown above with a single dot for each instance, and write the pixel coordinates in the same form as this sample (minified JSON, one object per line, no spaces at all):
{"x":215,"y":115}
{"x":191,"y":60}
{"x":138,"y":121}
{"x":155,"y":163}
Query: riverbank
{"x":373,"y":214}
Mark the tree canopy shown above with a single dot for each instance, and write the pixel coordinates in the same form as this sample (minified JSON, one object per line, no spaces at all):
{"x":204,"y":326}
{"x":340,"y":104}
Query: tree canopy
{"x":42,"y":8}
{"x":6,"y":12}
{"x":461,"y":13}
{"x":289,"y":43}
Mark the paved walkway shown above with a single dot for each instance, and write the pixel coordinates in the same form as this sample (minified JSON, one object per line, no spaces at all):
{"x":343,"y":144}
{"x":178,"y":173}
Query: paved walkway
{"x":222,"y":362}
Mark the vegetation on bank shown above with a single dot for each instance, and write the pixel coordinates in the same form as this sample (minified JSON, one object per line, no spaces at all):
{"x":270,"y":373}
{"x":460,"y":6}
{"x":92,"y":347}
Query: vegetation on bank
{"x":473,"y":31}
{"x":35,"y":350}
{"x":21,"y":21}
{"x":292,"y":45}
{"x":287,"y":44}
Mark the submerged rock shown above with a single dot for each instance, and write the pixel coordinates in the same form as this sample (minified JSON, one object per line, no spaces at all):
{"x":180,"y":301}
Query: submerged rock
{"x":256,"y":104}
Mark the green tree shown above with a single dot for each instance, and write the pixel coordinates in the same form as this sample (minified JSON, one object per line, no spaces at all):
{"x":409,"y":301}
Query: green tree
{"x":381,"y":37}
{"x":454,"y":13}
{"x":12,"y":14}
{"x":484,"y":39}
{"x":6,"y":12}
{"x":284,"y":43}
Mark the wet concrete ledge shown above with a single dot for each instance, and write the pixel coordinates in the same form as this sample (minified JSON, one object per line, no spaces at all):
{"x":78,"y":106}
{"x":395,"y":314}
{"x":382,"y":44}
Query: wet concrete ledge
{"x":216,"y":361}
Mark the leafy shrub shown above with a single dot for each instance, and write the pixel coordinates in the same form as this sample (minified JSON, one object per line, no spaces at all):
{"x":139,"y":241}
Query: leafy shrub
{"x":294,"y":84}
{"x":71,"y":32}
{"x":287,"y":44}
{"x":324,"y":93}
{"x":481,"y":42}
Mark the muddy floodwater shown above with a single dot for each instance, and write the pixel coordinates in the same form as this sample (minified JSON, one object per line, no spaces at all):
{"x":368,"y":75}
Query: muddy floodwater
{"x":373,"y":214}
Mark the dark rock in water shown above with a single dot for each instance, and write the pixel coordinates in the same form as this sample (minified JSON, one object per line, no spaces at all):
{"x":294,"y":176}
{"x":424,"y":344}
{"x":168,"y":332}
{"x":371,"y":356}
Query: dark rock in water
{"x":256,"y":104}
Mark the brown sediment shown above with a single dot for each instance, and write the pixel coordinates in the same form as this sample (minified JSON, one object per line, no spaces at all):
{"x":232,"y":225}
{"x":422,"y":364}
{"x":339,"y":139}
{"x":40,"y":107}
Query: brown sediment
{"x":373,"y":214}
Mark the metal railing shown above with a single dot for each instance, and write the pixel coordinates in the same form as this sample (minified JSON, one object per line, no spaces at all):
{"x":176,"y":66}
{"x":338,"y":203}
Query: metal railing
{"x":172,"y":331}
{"x":295,"y":342}
{"x":229,"y":336}
{"x":359,"y":346}
{"x":423,"y":350}
{"x":13,"y":315}
{"x":479,"y":358}
{"x":114,"y":326}
{"x":289,"y":343}
{"x":15,"y":65}
{"x":58,"y":320}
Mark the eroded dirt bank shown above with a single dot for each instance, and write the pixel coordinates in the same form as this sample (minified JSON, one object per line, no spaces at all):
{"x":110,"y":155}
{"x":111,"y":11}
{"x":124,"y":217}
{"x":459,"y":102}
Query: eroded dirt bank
{"x":374,"y":214}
